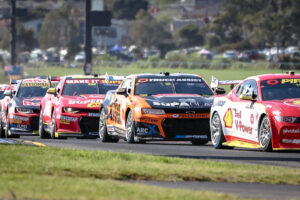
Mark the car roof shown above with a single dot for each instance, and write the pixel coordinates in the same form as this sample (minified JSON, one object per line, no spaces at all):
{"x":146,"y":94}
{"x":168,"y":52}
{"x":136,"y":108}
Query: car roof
{"x":274,"y":76}
{"x":165,"y":75}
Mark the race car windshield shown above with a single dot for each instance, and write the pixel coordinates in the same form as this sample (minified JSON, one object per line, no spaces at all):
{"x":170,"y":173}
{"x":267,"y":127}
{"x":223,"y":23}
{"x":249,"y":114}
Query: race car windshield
{"x":172,"y":87}
{"x":87,"y":88}
{"x":26,"y":92}
{"x":280,"y":89}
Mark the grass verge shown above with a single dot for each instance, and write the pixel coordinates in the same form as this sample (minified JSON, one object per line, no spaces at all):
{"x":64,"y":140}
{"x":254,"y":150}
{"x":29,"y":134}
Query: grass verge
{"x":59,"y":162}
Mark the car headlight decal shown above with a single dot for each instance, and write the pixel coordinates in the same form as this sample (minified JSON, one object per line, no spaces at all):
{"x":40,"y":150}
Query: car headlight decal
{"x":287,"y":119}
{"x":70,"y":110}
{"x":24,"y":110}
{"x":153,"y":111}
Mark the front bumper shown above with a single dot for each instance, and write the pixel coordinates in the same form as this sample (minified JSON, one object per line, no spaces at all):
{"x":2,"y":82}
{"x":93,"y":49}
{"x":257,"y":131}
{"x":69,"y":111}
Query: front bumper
{"x":24,"y":124}
{"x":78,"y":125}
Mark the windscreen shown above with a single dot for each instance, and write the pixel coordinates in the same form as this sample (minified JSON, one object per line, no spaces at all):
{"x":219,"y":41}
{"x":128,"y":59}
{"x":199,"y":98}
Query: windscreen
{"x":153,"y":86}
{"x":89,"y":86}
{"x":280,"y":89}
{"x":33,"y":88}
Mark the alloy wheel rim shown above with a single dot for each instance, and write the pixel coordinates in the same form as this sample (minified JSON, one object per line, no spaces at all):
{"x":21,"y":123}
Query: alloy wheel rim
{"x":265,"y":131}
{"x":128,"y":127}
{"x":101,"y":124}
{"x":215,"y":129}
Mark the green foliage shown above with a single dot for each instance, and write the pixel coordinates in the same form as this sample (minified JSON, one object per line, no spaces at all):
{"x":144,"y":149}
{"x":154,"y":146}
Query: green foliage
{"x":188,"y":36}
{"x":59,"y":28}
{"x":126,"y":9}
{"x":162,"y":4}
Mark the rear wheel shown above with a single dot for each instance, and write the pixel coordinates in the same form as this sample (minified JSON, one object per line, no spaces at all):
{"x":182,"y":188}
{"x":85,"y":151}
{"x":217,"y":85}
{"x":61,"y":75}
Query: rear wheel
{"x":103,"y":135}
{"x":42,"y":132}
{"x":130,"y":128}
{"x":264,"y":134}
{"x":217,"y":136}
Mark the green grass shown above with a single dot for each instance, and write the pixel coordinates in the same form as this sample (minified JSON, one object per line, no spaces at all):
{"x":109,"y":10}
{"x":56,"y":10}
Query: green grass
{"x":60,"y":162}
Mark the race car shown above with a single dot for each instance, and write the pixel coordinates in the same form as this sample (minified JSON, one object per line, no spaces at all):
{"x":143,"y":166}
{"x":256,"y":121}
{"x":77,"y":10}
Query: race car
{"x":260,"y":112}
{"x":72,"y":108}
{"x":23,"y":108}
{"x":5,"y":91}
{"x":163,"y":106}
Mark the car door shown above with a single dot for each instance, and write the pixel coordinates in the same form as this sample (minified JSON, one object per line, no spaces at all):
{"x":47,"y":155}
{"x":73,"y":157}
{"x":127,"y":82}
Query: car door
{"x":244,"y":112}
{"x":119,"y":103}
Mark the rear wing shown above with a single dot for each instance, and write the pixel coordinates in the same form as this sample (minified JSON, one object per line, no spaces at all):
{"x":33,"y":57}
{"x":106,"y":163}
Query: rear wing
{"x":215,"y":82}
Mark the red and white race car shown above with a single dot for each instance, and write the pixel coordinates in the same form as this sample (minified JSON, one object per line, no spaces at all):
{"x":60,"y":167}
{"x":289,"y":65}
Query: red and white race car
{"x":72,"y":108}
{"x":260,"y":112}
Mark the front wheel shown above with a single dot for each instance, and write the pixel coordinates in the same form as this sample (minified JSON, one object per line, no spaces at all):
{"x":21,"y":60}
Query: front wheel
{"x":42,"y":132}
{"x":217,"y":136}
{"x":264,"y":134}
{"x":8,"y":131}
{"x":103,"y":135}
{"x":130,"y":128}
{"x":2,"y":133}
{"x":53,"y":126}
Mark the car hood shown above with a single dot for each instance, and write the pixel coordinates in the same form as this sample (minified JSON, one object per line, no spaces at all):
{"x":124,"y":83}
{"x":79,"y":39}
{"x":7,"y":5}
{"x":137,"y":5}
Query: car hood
{"x":83,"y":101}
{"x":286,"y":107}
{"x":179,"y":101}
{"x":28,"y":102}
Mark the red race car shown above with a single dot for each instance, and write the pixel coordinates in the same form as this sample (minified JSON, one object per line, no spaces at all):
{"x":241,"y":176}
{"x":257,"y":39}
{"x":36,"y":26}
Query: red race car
{"x":260,"y":112}
{"x":72,"y":108}
{"x":22,"y":108}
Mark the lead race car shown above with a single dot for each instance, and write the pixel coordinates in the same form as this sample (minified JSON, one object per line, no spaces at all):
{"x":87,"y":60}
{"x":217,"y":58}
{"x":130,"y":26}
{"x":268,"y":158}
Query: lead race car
{"x":260,"y":112}
{"x":72,"y":108}
{"x":23,"y":107}
{"x":157,"y":107}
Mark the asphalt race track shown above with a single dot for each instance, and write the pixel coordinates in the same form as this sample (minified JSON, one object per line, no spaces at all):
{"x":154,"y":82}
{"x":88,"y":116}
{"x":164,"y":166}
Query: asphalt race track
{"x":186,"y":150}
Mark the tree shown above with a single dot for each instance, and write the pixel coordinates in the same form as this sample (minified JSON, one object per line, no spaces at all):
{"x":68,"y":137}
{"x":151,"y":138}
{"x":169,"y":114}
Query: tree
{"x":146,"y":32}
{"x":188,"y":36}
{"x":59,"y":28}
{"x":126,"y":9}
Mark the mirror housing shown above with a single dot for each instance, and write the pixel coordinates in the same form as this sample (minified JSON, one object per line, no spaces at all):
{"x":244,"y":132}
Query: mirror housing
{"x":122,"y":91}
{"x":220,"y":91}
{"x":8,"y":93}
{"x":247,"y":96}
{"x":51,"y":91}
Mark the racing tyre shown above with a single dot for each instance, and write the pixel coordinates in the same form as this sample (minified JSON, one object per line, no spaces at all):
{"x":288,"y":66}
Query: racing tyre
{"x":103,"y":135}
{"x":8,"y":131}
{"x":2,"y":134}
{"x":42,"y":132}
{"x":199,"y":142}
{"x":130,"y":128}
{"x":217,"y":136}
{"x":264,"y":134}
{"x":53,"y":127}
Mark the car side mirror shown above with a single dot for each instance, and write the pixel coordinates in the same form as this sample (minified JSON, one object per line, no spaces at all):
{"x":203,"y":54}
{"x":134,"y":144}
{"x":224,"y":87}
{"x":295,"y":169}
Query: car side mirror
{"x":220,"y":91}
{"x":122,"y":91}
{"x":8,"y":93}
{"x":246,"y":96}
{"x":51,"y":91}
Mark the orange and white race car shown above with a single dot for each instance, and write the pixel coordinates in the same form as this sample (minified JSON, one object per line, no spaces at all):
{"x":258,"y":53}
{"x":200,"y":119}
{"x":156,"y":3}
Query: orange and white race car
{"x":157,"y":107}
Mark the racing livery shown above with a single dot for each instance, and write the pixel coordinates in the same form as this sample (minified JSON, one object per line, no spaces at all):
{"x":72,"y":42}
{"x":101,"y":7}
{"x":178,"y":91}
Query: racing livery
{"x":260,"y":112}
{"x":157,"y":107}
{"x":5,"y":96}
{"x":72,"y":108}
{"x":23,"y":108}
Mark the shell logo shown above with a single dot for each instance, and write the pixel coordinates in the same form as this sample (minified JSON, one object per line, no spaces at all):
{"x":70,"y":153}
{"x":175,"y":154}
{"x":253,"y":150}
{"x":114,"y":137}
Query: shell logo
{"x":228,"y":119}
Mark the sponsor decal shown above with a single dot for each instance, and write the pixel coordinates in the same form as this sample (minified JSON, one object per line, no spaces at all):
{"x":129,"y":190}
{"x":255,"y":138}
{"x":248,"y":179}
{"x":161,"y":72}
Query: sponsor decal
{"x":19,"y":119}
{"x":31,"y":102}
{"x":272,"y":82}
{"x":22,"y":126}
{"x":183,"y":103}
{"x":94,"y":105}
{"x":175,"y":115}
{"x":291,"y":80}
{"x":237,"y":113}
{"x":148,"y":120}
{"x":291,"y":141}
{"x":67,"y":118}
{"x":243,"y":128}
{"x":191,"y":136}
{"x":140,"y":130}
{"x":252,"y":119}
{"x":228,"y":118}
{"x":200,"y":115}
{"x":293,"y":102}
{"x":90,"y":102}
{"x":284,"y":131}
{"x":152,"y":80}
{"x":86,"y":81}
{"x":64,"y":122}
{"x":94,"y":114}
{"x":220,"y":103}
